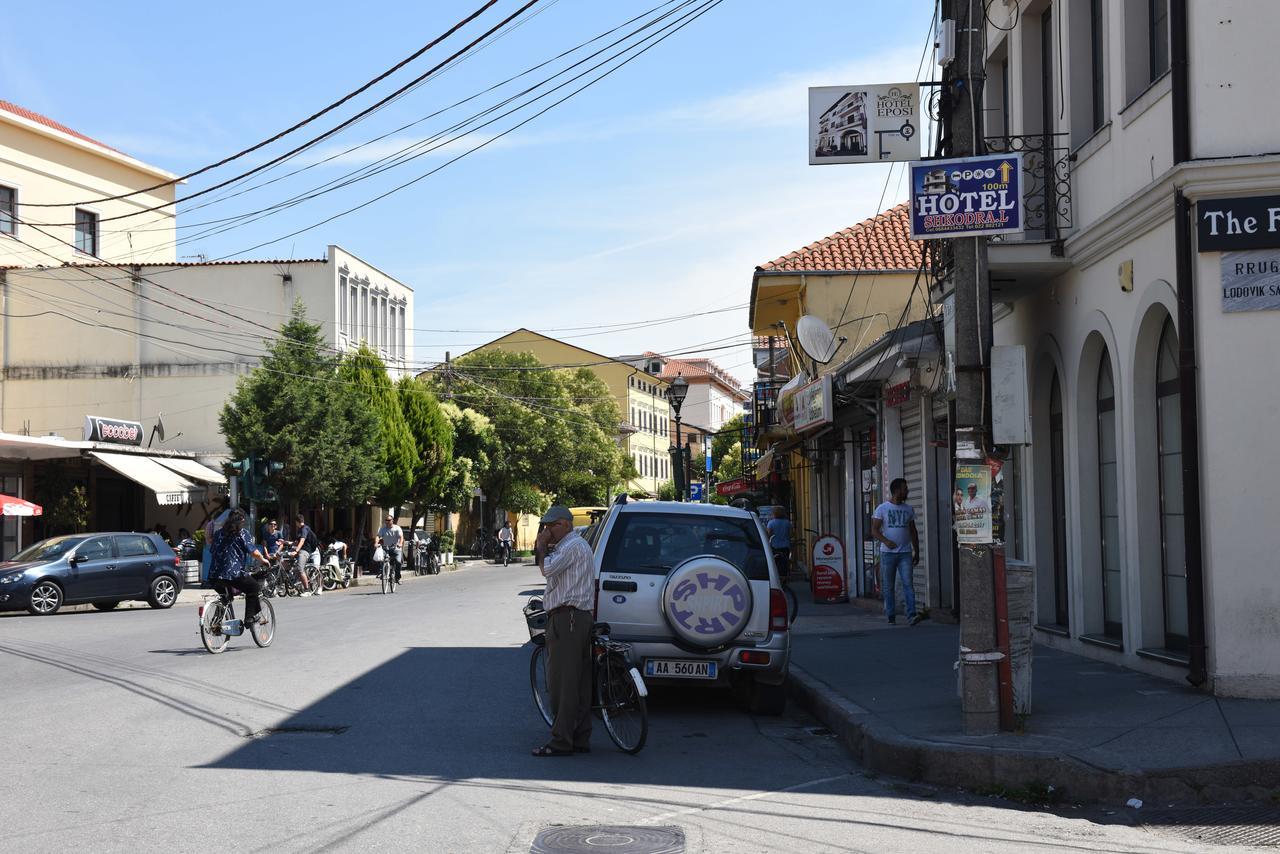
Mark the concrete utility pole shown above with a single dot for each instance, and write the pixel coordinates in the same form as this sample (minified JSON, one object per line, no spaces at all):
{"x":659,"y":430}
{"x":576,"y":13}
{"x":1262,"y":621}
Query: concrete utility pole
{"x":978,"y":648}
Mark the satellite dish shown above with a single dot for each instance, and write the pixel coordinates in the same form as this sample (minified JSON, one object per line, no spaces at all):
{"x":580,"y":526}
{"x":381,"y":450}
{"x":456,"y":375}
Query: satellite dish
{"x":816,"y":339}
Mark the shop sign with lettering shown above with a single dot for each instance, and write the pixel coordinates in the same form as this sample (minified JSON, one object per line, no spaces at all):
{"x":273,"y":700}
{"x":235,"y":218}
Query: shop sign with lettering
{"x":111,"y":430}
{"x":966,"y":197}
{"x":1251,"y":280}
{"x":1244,"y":222}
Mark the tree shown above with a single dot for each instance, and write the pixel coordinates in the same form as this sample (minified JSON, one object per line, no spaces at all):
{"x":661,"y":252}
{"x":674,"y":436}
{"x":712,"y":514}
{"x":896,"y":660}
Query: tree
{"x":724,"y":439}
{"x":667,"y":491}
{"x":292,"y":409}
{"x":366,"y":374}
{"x":432,"y":436}
{"x":555,"y":429}
{"x":474,"y":441}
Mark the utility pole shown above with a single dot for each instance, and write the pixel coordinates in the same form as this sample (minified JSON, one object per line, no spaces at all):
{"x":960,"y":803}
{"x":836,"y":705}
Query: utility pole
{"x":448,"y":377}
{"x":979,"y":653}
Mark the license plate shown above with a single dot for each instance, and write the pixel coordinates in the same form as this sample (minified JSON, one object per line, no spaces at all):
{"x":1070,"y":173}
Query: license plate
{"x":671,"y":668}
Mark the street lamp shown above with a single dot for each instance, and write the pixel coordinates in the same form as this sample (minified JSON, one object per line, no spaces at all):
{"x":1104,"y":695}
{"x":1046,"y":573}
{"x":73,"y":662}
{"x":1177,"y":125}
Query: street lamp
{"x":676,"y":394}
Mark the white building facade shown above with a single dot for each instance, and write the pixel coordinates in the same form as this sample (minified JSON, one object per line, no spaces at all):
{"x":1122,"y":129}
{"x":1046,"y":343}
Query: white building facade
{"x":1143,"y":497}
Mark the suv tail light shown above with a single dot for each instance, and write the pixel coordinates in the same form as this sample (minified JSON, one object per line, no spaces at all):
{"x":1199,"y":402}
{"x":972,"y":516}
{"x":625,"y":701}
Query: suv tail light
{"x":777,"y":610}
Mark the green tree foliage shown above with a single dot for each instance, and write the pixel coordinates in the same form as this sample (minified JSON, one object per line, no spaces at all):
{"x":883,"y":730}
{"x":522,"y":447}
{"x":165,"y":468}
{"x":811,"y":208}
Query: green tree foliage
{"x":433,"y":437}
{"x":366,"y":375}
{"x":474,"y":443}
{"x":667,"y":491}
{"x":64,"y":501}
{"x":293,"y":409}
{"x":556,"y":430}
{"x":724,"y":439}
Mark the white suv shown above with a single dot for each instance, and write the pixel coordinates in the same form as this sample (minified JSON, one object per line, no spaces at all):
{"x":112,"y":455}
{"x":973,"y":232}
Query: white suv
{"x":694,"y":590}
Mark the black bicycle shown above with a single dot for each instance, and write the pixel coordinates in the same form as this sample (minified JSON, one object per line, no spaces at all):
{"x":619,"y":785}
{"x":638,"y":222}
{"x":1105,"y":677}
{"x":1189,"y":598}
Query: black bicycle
{"x":387,"y":574}
{"x":618,"y":691}
{"x":218,"y":623}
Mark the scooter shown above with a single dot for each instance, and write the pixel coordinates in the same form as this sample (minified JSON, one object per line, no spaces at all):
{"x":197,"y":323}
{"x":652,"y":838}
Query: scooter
{"x":337,"y":572}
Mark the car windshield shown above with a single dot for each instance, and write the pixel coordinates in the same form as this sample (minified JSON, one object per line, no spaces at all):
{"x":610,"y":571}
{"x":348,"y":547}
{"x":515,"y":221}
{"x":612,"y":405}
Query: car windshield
{"x":654,"y":543}
{"x":50,"y":549}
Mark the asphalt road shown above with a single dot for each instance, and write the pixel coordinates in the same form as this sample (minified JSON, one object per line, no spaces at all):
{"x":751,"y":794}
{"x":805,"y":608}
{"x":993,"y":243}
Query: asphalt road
{"x":397,"y":723}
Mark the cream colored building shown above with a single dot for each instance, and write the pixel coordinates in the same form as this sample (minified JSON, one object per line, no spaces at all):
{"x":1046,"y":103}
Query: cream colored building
{"x":172,"y":339}
{"x":43,"y":162}
{"x":643,"y":427}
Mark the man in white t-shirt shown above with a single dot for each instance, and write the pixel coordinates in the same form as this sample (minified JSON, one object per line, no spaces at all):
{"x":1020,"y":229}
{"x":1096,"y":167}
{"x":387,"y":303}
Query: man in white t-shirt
{"x":893,"y":525}
{"x":391,"y":536}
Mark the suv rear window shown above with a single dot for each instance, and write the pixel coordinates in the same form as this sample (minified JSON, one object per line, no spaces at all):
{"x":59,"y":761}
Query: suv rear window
{"x":654,"y":543}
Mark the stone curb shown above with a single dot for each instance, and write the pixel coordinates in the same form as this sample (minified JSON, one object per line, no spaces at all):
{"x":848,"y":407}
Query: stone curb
{"x":881,"y":748}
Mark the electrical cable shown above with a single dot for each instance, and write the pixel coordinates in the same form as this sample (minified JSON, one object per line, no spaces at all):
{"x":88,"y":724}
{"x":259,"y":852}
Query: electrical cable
{"x":378,"y":79}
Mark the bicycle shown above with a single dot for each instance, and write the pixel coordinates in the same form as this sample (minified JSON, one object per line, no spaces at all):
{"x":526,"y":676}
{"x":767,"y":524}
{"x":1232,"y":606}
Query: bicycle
{"x":504,"y":553}
{"x":618,"y":690}
{"x":218,"y":623}
{"x":387,"y":573}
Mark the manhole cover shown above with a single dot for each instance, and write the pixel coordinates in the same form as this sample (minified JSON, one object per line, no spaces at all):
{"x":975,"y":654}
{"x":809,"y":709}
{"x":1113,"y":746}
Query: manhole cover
{"x":1243,"y":825}
{"x":609,"y":838}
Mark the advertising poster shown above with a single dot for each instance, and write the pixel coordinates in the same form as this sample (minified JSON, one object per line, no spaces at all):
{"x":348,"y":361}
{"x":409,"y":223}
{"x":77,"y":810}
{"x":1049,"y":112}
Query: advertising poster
{"x":966,"y":197}
{"x":864,"y":124}
{"x":828,"y":576}
{"x":971,"y":503}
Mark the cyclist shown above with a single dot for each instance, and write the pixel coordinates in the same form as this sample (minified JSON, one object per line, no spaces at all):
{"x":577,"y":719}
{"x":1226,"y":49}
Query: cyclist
{"x":779,"y":530}
{"x":392,"y":539}
{"x":307,"y":545}
{"x":232,"y":549}
{"x":505,"y":540}
{"x":272,"y":541}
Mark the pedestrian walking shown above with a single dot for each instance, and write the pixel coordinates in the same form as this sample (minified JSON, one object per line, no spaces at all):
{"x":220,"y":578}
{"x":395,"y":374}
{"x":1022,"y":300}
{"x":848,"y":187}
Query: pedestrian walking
{"x":779,"y":530}
{"x":893,"y":525}
{"x":568,"y":565}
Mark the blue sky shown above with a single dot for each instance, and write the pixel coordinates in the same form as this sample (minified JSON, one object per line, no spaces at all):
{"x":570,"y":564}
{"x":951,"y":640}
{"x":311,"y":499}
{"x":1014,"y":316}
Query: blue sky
{"x":652,"y":194}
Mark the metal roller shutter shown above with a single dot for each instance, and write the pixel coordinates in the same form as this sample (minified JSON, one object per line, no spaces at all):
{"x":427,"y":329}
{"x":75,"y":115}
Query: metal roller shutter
{"x":913,"y":446}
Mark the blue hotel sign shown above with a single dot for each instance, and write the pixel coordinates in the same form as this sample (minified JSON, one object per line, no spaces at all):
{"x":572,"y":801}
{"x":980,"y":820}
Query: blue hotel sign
{"x":966,"y":197}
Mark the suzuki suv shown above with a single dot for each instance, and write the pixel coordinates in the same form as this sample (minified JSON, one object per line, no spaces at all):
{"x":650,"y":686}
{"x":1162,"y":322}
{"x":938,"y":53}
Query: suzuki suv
{"x":693,"y":589}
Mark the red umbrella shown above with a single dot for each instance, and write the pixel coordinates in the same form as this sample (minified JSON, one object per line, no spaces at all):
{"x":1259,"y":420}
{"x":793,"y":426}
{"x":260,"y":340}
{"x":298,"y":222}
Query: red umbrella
{"x":18,"y":507}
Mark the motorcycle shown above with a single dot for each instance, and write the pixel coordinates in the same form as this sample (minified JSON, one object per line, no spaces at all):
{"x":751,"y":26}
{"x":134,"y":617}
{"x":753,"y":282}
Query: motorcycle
{"x":427,"y":556}
{"x":336,"y":571}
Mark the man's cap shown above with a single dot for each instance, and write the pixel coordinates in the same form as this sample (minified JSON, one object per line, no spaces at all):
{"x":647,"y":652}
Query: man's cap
{"x":556,"y":513}
{"x":973,"y":485}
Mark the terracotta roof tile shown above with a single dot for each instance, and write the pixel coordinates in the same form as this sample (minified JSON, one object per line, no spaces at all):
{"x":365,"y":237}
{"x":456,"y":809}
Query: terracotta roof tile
{"x":33,"y":116}
{"x":879,"y":243}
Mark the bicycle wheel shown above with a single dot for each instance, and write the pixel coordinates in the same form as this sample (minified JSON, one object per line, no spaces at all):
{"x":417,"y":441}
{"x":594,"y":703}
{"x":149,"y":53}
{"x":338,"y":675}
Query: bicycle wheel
{"x":385,"y":575}
{"x":626,"y":718}
{"x":211,"y":627}
{"x":264,"y":634}
{"x":538,"y":682}
{"x":330,"y":578}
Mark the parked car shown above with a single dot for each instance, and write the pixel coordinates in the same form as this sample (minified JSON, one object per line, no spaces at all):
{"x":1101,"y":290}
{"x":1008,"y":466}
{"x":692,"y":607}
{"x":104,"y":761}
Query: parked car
{"x":693,"y":589}
{"x":101,"y":569}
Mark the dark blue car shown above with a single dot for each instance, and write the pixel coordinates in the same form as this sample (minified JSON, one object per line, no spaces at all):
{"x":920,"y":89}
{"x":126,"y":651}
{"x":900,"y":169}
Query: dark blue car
{"x":101,"y":569}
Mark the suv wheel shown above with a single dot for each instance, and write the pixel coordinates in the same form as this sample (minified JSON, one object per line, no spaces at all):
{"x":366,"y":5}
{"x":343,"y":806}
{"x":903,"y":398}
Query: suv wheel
{"x":765,"y":699}
{"x":707,"y":602}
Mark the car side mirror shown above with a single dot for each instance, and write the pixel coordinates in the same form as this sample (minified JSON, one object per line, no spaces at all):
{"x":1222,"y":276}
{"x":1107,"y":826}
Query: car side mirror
{"x":75,"y":559}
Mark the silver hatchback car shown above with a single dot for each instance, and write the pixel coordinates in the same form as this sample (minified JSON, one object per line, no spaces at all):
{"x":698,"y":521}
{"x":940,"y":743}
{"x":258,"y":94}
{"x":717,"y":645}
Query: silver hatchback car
{"x":694,"y":590}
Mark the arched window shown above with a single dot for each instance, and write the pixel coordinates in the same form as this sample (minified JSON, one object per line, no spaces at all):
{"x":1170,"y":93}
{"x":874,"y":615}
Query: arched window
{"x":1108,"y":501}
{"x":1169,"y":445}
{"x":1058,"y":463}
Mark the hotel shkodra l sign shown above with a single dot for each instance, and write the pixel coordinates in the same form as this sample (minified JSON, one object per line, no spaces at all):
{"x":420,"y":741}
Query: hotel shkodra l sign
{"x":966,"y":197}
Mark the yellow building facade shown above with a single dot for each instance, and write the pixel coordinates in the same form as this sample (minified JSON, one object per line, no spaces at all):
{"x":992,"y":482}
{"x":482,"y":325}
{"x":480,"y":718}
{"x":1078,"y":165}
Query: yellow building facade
{"x":643,"y":419}
{"x":56,"y":198}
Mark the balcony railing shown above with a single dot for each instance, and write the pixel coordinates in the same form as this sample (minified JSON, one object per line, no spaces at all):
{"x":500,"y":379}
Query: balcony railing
{"x":1046,"y":179}
{"x":765,"y":405}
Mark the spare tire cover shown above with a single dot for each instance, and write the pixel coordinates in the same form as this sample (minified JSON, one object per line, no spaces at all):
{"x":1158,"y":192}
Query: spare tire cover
{"x":707,"y":601}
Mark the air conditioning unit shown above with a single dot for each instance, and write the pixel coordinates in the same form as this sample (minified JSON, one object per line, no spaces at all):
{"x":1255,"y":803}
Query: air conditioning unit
{"x":946,"y":43}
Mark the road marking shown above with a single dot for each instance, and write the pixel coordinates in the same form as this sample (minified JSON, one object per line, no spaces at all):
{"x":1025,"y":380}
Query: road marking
{"x":722,"y":804}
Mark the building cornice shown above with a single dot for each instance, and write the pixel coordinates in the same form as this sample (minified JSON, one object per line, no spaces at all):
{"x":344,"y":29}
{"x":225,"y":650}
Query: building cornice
{"x":1153,"y":205}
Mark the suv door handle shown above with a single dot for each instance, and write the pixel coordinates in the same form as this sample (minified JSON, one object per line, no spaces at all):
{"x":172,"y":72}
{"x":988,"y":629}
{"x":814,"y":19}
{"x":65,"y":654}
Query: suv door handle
{"x":625,"y":586}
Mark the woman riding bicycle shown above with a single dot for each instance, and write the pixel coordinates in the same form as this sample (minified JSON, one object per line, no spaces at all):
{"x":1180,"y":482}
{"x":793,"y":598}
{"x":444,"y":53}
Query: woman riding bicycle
{"x":232,"y":550}
{"x":779,"y":529}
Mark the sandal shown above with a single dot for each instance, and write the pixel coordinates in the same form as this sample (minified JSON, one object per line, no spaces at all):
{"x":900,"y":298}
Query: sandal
{"x":548,"y":750}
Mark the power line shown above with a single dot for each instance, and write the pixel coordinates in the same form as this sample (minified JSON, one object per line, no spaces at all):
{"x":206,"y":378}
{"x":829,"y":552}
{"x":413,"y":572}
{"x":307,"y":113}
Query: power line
{"x":419,"y":52}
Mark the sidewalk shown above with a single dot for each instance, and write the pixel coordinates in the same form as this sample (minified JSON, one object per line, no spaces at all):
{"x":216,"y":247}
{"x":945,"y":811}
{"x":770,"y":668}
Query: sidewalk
{"x":1096,"y":732}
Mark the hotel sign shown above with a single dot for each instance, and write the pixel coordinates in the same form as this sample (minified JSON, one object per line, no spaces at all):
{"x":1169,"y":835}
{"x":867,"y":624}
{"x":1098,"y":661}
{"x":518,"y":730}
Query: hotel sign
{"x":966,"y":197}
{"x":1245,"y":222}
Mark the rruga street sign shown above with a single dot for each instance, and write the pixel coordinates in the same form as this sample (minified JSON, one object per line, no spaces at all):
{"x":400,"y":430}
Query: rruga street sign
{"x":966,"y":197}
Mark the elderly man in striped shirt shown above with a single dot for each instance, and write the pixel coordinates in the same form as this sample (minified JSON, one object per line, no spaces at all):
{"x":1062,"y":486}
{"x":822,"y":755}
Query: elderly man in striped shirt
{"x":569,"y":598}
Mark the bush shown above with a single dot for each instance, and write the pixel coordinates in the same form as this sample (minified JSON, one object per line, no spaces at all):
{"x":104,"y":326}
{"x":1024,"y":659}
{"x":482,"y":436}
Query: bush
{"x":447,"y":541}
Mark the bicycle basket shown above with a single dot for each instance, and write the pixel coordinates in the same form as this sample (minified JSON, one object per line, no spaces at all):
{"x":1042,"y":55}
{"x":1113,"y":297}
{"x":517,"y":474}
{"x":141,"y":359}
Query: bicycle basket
{"x":536,"y":619}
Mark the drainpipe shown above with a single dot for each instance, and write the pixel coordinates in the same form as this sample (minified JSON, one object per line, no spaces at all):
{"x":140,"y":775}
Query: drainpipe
{"x":1188,"y":384}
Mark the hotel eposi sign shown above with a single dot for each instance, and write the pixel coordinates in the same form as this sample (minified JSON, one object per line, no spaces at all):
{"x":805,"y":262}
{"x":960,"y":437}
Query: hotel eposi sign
{"x":966,"y":197}
{"x":876,"y":123}
{"x":811,"y":404}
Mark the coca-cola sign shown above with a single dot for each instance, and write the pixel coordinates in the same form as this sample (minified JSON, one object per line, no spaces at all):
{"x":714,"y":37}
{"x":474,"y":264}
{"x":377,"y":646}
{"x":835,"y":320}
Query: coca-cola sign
{"x":112,"y":431}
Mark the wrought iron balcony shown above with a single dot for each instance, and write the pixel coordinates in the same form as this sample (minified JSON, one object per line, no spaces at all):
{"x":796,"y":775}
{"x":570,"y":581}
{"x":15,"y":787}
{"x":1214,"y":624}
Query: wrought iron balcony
{"x":1046,"y":179}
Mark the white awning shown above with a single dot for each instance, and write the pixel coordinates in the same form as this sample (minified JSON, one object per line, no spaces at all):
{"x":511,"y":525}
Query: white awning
{"x":192,"y":470}
{"x":166,"y":484}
